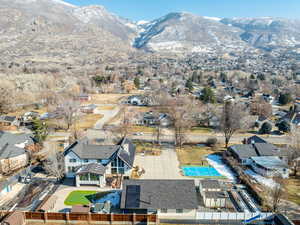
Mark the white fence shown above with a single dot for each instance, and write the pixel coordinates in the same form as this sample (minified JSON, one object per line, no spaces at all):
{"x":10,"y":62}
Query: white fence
{"x":230,"y":215}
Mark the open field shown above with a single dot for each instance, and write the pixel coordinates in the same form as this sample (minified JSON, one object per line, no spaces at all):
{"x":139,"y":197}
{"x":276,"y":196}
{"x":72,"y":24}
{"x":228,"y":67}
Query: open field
{"x":200,"y":130}
{"x":107,"y":98}
{"x":193,"y":155}
{"x":106,"y":107}
{"x":21,"y":112}
{"x":88,"y":121}
{"x":136,"y":129}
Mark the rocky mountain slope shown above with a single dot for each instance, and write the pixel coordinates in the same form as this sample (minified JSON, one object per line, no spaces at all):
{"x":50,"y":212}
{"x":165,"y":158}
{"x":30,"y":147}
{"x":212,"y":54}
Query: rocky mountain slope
{"x":184,"y":31}
{"x":52,"y":30}
{"x":267,"y":32}
{"x":55,"y":31}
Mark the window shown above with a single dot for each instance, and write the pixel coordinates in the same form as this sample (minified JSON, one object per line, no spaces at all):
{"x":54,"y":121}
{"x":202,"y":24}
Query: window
{"x":84,"y":177}
{"x":71,"y":169}
{"x":86,"y":160}
{"x":179,"y":210}
{"x":72,"y":160}
{"x":164,"y":210}
{"x":94,"y":177}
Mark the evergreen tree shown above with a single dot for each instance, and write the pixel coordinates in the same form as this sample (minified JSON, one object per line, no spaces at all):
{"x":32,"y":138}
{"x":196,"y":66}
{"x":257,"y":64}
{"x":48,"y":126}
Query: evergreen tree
{"x":189,"y":85}
{"x":208,"y":95}
{"x":137,"y":82}
{"x":40,"y":130}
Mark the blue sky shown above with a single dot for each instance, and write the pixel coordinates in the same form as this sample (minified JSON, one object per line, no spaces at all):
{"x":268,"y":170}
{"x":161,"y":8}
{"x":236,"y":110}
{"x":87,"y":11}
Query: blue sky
{"x":151,"y":9}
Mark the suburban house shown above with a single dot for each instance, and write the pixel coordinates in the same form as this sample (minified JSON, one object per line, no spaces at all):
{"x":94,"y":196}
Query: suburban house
{"x":212,"y":194}
{"x":270,"y":166}
{"x":136,"y":100}
{"x":167,"y":198}
{"x":88,"y":108}
{"x":13,"y":151}
{"x":244,"y":152}
{"x":89,"y":164}
{"x":7,"y":121}
{"x":84,"y":97}
{"x":151,"y":119}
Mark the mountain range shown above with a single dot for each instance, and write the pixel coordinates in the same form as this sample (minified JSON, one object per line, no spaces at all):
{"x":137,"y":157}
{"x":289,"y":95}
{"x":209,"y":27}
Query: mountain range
{"x":55,"y":29}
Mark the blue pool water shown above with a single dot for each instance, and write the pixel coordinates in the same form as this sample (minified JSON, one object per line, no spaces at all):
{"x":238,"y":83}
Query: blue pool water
{"x":200,"y":171}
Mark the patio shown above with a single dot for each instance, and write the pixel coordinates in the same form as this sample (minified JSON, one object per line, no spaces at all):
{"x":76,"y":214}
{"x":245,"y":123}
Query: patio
{"x":164,"y":166}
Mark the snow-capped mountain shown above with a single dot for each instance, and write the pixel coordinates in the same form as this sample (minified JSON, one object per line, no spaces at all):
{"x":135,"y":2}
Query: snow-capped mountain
{"x":185,"y":31}
{"x":267,"y":32}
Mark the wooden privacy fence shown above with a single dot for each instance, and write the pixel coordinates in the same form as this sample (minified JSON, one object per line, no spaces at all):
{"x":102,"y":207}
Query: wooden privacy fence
{"x":134,"y":218}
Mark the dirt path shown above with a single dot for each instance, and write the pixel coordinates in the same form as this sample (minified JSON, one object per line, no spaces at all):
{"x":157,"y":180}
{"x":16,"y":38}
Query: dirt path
{"x":107,"y":115}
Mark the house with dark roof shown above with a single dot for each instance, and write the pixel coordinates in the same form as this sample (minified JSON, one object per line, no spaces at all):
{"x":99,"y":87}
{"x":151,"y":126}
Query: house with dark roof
{"x":270,"y":166}
{"x":244,"y":152}
{"x":13,"y":151}
{"x":89,"y":164}
{"x":167,"y":198}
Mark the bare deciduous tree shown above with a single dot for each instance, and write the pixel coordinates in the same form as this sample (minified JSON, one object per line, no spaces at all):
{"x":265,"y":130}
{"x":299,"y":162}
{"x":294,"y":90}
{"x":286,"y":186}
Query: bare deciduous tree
{"x":181,"y":111}
{"x":294,"y":150}
{"x":277,"y":192}
{"x":232,"y":119}
{"x":53,"y":164}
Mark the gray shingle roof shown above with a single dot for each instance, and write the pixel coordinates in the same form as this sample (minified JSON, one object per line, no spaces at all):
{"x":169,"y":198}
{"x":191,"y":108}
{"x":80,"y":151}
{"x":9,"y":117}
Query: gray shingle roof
{"x":84,"y":150}
{"x":243,"y":151}
{"x":157,"y":194}
{"x":94,"y":168}
{"x":215,"y":194}
{"x":127,"y":153}
{"x":266,"y":149}
{"x":125,"y":149}
{"x":208,"y":184}
{"x":270,"y":162}
{"x":8,"y":142}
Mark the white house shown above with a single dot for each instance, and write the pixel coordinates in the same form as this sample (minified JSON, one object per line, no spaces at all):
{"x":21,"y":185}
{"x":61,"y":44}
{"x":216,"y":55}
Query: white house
{"x":89,"y":164}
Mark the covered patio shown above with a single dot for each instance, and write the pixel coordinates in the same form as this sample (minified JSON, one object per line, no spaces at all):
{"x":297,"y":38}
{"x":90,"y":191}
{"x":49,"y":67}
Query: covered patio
{"x":91,"y":174}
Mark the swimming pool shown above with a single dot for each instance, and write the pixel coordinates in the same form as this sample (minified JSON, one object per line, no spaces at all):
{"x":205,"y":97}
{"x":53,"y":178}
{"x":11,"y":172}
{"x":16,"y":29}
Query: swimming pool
{"x":200,"y":171}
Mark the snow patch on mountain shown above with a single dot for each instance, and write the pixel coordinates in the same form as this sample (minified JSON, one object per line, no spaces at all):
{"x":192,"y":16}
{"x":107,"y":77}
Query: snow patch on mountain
{"x":212,"y":18}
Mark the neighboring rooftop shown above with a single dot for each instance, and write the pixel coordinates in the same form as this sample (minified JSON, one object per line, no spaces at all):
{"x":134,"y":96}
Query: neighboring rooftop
{"x":210,"y":184}
{"x":158,"y":194}
{"x":269,"y":162}
{"x":215,"y":194}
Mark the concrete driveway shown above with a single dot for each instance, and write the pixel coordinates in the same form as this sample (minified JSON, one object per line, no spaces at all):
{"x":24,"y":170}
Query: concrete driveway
{"x":165,"y":166}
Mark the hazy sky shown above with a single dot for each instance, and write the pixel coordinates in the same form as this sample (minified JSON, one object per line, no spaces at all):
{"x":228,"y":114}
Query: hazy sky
{"x":151,"y":9}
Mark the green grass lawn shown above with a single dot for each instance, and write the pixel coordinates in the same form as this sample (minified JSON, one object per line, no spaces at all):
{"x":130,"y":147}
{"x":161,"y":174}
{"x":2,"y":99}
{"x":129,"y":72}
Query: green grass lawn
{"x":79,"y":198}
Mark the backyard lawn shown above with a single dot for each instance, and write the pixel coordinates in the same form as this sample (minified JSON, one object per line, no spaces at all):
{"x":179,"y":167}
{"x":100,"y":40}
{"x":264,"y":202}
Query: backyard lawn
{"x":193,"y":155}
{"x":79,"y":198}
{"x":136,"y":129}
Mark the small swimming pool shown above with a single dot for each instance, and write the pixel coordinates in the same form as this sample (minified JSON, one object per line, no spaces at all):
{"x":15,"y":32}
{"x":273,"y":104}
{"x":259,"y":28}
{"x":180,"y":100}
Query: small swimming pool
{"x":200,"y":171}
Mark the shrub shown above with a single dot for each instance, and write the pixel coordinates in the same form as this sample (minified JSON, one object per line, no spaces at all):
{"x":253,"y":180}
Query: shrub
{"x":266,"y":128}
{"x":284,"y":126}
{"x":211,"y":142}
{"x":285,"y":98}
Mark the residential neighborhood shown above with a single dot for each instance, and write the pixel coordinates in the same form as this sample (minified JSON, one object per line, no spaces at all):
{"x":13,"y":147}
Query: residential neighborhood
{"x":149,"y":112}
